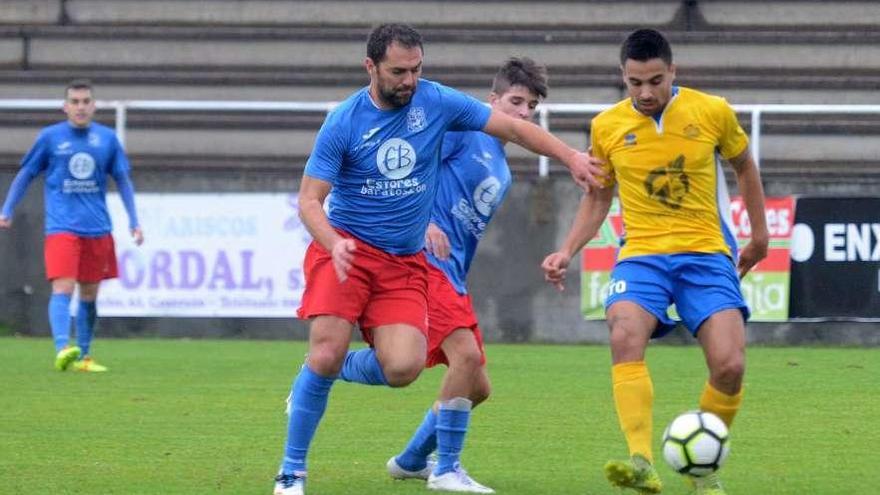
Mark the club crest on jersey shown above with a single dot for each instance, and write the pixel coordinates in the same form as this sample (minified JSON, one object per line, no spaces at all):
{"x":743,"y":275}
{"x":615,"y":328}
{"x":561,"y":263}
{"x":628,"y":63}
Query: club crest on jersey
{"x":486,"y":195}
{"x":396,"y":158}
{"x":81,"y":165}
{"x":629,"y":140}
{"x":692,"y":131}
{"x":415,"y":119}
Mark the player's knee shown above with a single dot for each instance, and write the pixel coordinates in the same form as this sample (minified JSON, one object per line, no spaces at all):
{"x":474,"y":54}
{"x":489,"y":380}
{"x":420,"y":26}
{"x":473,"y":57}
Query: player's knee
{"x":624,"y":340}
{"x":730,"y":370}
{"x":481,"y":392}
{"x":325,"y":360}
{"x":402,"y":372}
{"x":467,"y":359}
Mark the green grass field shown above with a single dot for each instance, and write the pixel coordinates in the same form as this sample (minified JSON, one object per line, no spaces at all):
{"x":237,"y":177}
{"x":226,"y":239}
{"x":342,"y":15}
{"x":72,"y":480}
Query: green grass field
{"x":191,"y":417}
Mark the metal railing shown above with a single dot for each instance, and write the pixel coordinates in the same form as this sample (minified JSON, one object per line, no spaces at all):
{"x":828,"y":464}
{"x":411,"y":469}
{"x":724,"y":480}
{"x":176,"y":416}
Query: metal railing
{"x":121,"y":108}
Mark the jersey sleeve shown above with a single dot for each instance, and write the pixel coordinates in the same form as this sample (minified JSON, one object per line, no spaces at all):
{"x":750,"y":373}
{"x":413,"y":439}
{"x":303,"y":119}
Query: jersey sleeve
{"x":121,"y":174}
{"x":328,"y":152}
{"x":598,"y":149}
{"x":37,"y":158}
{"x":464,"y":112}
{"x":733,"y":139}
{"x":34,"y":162}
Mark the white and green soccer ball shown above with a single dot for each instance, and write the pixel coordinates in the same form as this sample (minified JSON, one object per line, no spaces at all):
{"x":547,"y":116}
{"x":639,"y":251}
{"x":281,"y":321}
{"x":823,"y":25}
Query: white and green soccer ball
{"x":696,"y":443}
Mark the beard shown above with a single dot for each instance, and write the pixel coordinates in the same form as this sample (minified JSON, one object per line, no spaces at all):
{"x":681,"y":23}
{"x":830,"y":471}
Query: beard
{"x":397,"y":97}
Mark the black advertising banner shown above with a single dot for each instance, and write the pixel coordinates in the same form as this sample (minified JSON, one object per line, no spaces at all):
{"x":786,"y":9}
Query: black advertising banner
{"x":835,"y":252}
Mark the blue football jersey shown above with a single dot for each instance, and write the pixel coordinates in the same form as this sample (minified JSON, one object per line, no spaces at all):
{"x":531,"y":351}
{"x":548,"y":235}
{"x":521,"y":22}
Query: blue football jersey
{"x":474,"y":179}
{"x":76,"y":163}
{"x":383,"y":163}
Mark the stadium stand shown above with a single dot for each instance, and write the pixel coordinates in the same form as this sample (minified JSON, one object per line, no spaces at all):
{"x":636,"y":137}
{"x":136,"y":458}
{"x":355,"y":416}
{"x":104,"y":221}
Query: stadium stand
{"x":797,"y":51}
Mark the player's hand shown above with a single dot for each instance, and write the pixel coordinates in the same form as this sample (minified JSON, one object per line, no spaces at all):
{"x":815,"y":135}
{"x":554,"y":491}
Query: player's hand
{"x":555,"y":265}
{"x":5,"y":222}
{"x":137,"y":235}
{"x":436,"y":242}
{"x":751,"y":254}
{"x":587,"y":171}
{"x":343,"y":255}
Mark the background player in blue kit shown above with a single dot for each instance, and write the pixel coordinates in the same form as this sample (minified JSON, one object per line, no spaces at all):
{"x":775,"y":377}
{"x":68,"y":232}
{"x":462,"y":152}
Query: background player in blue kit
{"x":379,"y":151}
{"x":76,"y":156}
{"x":473,"y":181}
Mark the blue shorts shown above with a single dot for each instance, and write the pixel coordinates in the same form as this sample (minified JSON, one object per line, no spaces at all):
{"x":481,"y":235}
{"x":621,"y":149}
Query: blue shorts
{"x":699,"y":284}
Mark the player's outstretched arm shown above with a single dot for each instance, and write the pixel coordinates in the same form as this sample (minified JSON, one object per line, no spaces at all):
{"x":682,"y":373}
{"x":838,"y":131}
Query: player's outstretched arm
{"x":748,"y":179}
{"x":16,"y":192}
{"x":312,"y":193}
{"x":590,"y":215}
{"x":586,"y":170}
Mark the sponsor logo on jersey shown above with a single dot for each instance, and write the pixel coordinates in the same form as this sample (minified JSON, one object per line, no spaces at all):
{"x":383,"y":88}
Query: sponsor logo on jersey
{"x":81,"y":165}
{"x":486,"y":195}
{"x":396,"y":158}
{"x":669,"y":184}
{"x":94,"y":140}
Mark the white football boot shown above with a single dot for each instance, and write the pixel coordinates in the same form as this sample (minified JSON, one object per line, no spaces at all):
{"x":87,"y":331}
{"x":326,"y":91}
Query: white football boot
{"x":456,"y":481}
{"x":399,"y":473}
{"x":289,"y":484}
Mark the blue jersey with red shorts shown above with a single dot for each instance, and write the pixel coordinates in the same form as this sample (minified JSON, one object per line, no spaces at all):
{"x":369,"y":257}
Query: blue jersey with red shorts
{"x":474,"y":180}
{"x":383,"y":163}
{"x":77,"y":162}
{"x":383,"y":166}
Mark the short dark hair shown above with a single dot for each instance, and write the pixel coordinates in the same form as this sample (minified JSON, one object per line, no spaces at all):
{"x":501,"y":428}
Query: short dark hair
{"x":78,"y":84}
{"x":521,"y":72}
{"x":645,"y":44}
{"x":382,"y":36}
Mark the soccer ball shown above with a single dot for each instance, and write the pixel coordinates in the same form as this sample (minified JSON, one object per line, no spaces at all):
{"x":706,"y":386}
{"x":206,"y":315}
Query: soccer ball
{"x":696,"y":443}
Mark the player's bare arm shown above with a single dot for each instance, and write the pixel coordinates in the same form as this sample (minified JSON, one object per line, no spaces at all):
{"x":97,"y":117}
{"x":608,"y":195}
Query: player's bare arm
{"x":5,"y":223}
{"x":748,"y":179}
{"x":590,"y":215}
{"x":436,"y":241}
{"x":586,"y":170}
{"x":312,"y":193}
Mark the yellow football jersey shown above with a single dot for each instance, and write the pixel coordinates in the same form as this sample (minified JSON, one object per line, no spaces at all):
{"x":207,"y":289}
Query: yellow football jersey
{"x":672,"y":189}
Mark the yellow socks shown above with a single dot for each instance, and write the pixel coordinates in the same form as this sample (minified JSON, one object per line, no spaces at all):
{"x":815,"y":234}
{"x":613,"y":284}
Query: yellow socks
{"x":720,"y":404}
{"x":634,"y":399}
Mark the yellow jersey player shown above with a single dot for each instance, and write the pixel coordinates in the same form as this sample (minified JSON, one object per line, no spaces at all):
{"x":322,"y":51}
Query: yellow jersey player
{"x":662,"y":146}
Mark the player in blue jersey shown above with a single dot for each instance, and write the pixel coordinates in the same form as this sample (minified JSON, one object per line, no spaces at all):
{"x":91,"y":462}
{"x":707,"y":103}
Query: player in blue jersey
{"x":379,"y":152}
{"x":76,"y":156}
{"x":474,"y":180}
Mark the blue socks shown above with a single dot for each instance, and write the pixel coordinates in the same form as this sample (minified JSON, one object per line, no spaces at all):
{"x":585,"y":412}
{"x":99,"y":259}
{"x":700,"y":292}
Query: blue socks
{"x":422,"y":443}
{"x":310,"y":393}
{"x":59,"y":319}
{"x":452,"y":424}
{"x":362,"y":366}
{"x":85,"y":324}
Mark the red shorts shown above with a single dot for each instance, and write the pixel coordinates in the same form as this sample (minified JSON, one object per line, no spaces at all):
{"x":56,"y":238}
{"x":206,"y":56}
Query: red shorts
{"x":381,"y":288}
{"x":85,"y":259}
{"x":448,"y":311}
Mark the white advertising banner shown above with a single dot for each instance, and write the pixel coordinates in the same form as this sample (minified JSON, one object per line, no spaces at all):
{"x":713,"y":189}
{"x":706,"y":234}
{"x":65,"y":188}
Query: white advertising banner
{"x":208,"y":255}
